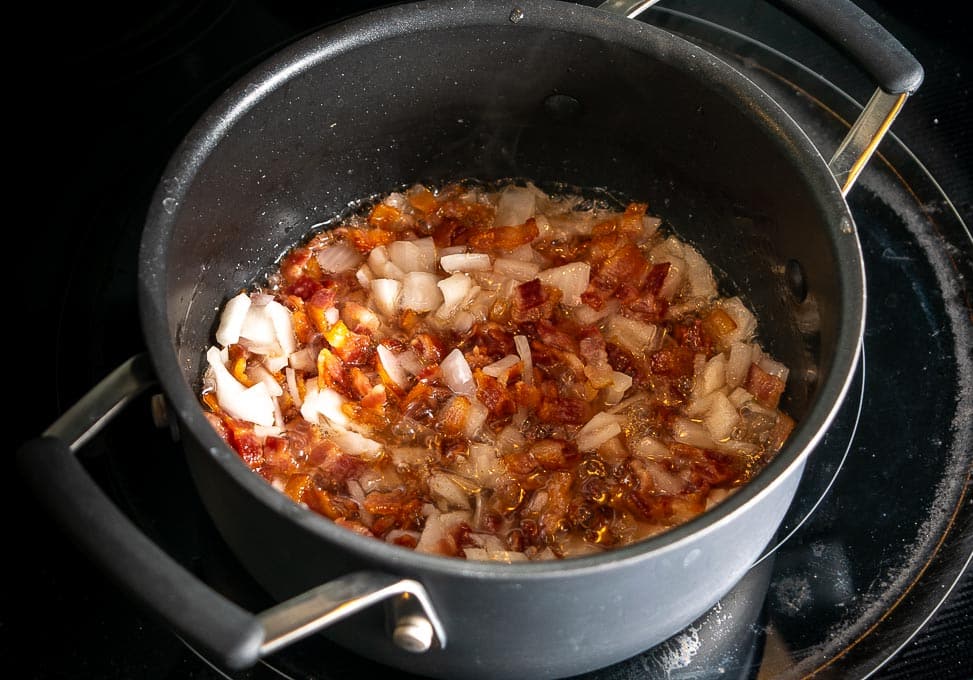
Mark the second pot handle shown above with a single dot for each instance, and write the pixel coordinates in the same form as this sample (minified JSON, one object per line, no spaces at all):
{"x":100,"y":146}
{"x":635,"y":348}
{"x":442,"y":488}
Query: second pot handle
{"x":230,"y":635}
{"x":897,"y":73}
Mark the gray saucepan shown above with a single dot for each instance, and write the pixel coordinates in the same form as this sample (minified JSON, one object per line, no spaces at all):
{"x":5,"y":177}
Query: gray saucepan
{"x":437,"y":91}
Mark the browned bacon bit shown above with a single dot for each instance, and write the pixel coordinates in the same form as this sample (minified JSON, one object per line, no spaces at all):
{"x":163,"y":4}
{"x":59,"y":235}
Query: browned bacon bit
{"x":504,"y":239}
{"x":426,"y":375}
{"x":764,"y":387}
{"x":534,"y":301}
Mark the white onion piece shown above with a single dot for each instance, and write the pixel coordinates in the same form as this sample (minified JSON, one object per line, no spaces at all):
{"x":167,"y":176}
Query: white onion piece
{"x":739,"y":397}
{"x":465,"y":262}
{"x":615,"y":392}
{"x":523,"y":349}
{"x":700,"y":274}
{"x":252,"y":404}
{"x":774,"y":368}
{"x":326,"y":402}
{"x":393,"y":367}
{"x":438,"y":528}
{"x":381,"y":265}
{"x":571,"y":279}
{"x":501,"y":369}
{"x":650,"y":447}
{"x":281,"y":319}
{"x":411,"y":455}
{"x":738,"y":365}
{"x":589,"y":316}
{"x":258,"y":330}
{"x":675,"y":278}
{"x":505,"y":556}
{"x":338,"y":258}
{"x":712,"y":377}
{"x":410,"y":361}
{"x":364,"y":276}
{"x":515,"y":269}
{"x":597,"y":431}
{"x":276,"y":363}
{"x":690,"y":432}
{"x":264,"y":431}
{"x":231,"y":320}
{"x":420,"y":292}
{"x":385,"y":295}
{"x":451,"y":250}
{"x":721,"y":417}
{"x":258,"y":373}
{"x":630,"y":334}
{"x":456,"y":291}
{"x":457,"y":373}
{"x":745,"y":320}
{"x":463,"y":321}
{"x":331,"y":315}
{"x":665,"y":482}
{"x":304,"y":360}
{"x":413,"y":256}
{"x":291,"y":377}
{"x":514,"y":207}
{"x":355,"y":444}
{"x":448,"y":493}
{"x":475,"y":418}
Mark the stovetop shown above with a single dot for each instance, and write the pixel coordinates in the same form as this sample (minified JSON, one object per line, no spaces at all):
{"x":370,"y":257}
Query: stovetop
{"x":866,"y":578}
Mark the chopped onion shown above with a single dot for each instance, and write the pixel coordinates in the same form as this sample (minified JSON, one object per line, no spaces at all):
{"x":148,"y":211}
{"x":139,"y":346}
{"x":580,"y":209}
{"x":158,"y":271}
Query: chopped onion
{"x":304,"y":360}
{"x":450,"y":495}
{"x":364,"y":276}
{"x":739,"y":397}
{"x":514,"y":207}
{"x":588,"y":316}
{"x":631,"y":335}
{"x":650,"y":447}
{"x":571,"y":279}
{"x":385,"y":295}
{"x":501,"y":369}
{"x":281,"y":319}
{"x":721,"y":417}
{"x":774,"y":368}
{"x":258,"y":373}
{"x":690,"y":432}
{"x":506,"y":556}
{"x":338,"y":258}
{"x":252,"y":404}
{"x":743,"y":317}
{"x":231,"y":320}
{"x":258,"y":330}
{"x":515,"y":269}
{"x":420,"y":292}
{"x":323,"y":402}
{"x":523,"y":349}
{"x":292,"y":389}
{"x":700,"y":274}
{"x":411,"y":256}
{"x":275,"y":363}
{"x":466,"y":262}
{"x":381,"y":265}
{"x":475,"y":419}
{"x":393,"y":368}
{"x":457,"y":373}
{"x":712,"y":377}
{"x":738,"y":365}
{"x":615,"y":392}
{"x":597,"y":431}
{"x":355,"y":444}
{"x":456,"y":291}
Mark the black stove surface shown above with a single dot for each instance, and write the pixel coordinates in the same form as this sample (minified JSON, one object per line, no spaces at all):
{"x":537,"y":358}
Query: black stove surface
{"x":868,"y":577}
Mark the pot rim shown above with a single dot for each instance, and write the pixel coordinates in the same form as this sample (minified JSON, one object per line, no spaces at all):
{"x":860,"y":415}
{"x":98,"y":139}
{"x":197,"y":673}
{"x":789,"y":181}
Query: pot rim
{"x":372,"y":27}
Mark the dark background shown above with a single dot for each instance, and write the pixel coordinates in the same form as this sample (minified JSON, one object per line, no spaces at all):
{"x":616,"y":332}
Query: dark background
{"x":111,"y":98}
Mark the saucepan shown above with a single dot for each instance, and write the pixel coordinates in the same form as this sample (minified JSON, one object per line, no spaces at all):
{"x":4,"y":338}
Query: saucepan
{"x":445,"y":90}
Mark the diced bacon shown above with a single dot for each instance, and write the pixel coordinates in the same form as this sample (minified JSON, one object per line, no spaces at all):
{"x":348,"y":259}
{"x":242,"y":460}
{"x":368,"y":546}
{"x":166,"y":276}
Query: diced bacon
{"x":764,"y":387}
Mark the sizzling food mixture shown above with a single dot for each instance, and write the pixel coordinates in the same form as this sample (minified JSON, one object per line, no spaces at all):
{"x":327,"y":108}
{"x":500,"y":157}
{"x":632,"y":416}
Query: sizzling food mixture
{"x":495,"y":373}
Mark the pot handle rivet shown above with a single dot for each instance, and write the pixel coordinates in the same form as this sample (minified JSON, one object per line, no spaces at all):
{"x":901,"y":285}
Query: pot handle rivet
{"x":413,"y":633}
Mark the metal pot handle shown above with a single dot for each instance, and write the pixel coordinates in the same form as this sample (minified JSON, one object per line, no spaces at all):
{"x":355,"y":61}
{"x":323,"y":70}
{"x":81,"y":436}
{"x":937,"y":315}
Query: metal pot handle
{"x":232,"y":636}
{"x":877,"y":51}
